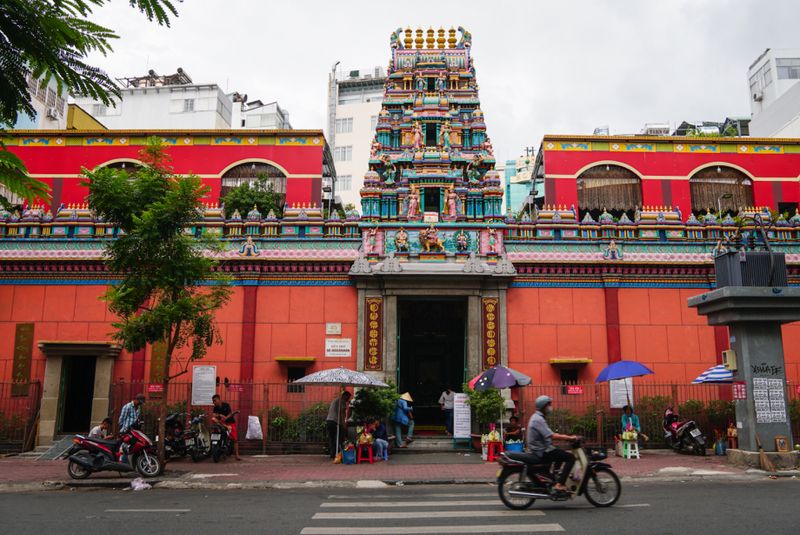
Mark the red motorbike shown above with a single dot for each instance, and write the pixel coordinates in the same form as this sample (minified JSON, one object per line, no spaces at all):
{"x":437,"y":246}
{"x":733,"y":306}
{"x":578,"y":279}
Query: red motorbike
{"x":133,"y":451}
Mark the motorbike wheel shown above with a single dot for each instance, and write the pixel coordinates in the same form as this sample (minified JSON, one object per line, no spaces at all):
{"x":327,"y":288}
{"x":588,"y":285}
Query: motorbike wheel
{"x":603,"y":488}
{"x":148,"y":466}
{"x":698,"y":449}
{"x":508,"y":482}
{"x":216,"y":454}
{"x":77,"y":471}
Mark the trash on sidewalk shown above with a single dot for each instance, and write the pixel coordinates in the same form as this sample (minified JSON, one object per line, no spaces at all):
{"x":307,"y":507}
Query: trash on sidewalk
{"x":140,"y":484}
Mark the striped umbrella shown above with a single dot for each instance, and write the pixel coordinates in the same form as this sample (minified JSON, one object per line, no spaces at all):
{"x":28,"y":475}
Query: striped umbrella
{"x":715,"y":374}
{"x":341,"y":376}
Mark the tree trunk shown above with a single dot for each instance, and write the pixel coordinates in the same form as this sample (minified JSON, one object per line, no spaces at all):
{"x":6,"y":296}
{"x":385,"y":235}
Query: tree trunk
{"x":162,"y":420}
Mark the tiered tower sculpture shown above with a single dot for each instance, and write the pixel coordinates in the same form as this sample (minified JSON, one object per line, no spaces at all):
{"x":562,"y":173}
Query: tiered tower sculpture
{"x":431,"y":156}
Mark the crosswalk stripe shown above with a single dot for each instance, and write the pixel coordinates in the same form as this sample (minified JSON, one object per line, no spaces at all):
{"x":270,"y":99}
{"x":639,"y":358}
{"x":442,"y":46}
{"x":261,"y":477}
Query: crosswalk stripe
{"x":432,"y":503}
{"x":423,"y":514}
{"x":431,"y":495}
{"x":417,"y":530}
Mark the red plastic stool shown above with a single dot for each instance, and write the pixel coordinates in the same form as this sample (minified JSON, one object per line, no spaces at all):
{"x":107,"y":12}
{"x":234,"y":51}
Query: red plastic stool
{"x":364,"y":457}
{"x":493,"y":451}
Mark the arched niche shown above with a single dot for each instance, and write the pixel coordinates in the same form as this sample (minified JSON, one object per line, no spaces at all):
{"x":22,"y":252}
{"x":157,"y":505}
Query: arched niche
{"x":611,"y":187}
{"x":720,"y":186}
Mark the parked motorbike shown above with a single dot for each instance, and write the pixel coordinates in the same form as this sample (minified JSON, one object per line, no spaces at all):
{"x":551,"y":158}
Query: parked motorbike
{"x":175,"y":443}
{"x":522,"y":479}
{"x":221,"y":443}
{"x":133,"y":451}
{"x":683,"y":435}
{"x":197,"y":439}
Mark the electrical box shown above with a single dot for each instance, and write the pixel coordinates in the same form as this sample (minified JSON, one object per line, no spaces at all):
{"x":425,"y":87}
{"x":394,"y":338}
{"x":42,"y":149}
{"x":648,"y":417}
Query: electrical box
{"x":729,"y":359}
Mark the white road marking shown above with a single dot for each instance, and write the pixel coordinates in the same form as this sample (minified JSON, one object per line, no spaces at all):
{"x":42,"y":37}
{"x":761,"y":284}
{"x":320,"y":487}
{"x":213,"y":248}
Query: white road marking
{"x":148,"y":510}
{"x":433,"y":495}
{"x":444,"y":503}
{"x":634,"y":505}
{"x":206,"y":476}
{"x":401,"y":530}
{"x":424,"y":514}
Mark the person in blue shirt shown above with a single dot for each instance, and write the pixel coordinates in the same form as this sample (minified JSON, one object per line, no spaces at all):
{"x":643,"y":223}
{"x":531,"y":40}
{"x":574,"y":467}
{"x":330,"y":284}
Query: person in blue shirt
{"x":130,"y":413}
{"x":403,"y":416}
{"x":628,"y":416}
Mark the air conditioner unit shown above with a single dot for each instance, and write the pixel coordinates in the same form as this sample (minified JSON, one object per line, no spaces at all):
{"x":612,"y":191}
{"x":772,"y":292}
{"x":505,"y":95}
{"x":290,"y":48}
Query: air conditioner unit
{"x":53,"y":113}
{"x":758,"y":96}
{"x":729,"y":359}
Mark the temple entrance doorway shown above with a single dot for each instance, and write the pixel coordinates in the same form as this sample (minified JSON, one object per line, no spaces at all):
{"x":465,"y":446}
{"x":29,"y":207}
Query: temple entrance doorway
{"x":77,"y":393}
{"x":431,"y":200}
{"x":431,"y":353}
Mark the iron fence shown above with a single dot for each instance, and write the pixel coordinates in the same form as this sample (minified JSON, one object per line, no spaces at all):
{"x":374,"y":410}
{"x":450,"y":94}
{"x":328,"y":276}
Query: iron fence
{"x":19,"y":408}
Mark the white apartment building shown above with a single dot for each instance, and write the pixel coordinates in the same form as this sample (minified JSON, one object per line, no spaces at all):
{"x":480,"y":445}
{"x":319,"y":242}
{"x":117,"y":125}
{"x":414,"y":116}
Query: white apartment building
{"x":775,"y":93}
{"x":175,"y":102}
{"x":50,"y":107}
{"x":354,"y":101}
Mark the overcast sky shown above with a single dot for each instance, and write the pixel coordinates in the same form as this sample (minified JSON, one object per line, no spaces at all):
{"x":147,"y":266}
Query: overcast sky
{"x":543,"y":67}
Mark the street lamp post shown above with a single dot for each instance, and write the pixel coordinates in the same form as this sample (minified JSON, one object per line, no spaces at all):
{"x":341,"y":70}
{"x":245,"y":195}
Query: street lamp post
{"x":719,"y":202}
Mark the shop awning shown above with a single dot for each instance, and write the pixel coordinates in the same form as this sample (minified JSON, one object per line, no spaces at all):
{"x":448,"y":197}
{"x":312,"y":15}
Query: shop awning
{"x":296,"y":361}
{"x":569,"y":361}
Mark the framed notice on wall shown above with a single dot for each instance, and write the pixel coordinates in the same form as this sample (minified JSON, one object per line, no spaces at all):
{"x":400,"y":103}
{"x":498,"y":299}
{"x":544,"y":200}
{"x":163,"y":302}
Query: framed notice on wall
{"x":204,"y":384}
{"x":620,"y":392}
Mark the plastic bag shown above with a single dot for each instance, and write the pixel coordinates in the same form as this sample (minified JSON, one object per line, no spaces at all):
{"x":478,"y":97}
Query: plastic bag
{"x":254,"y":429}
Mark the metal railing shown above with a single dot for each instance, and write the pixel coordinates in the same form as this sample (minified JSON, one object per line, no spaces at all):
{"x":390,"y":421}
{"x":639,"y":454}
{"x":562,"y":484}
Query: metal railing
{"x":19,"y":411}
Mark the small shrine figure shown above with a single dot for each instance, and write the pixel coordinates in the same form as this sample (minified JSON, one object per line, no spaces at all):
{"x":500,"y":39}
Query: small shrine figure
{"x":444,"y":136}
{"x":452,"y":203}
{"x":389,"y":170}
{"x":441,"y":82}
{"x":487,"y":146}
{"x":612,"y":252}
{"x":719,"y":249}
{"x":401,"y":240}
{"x":492,"y":242}
{"x":428,"y":239}
{"x":462,"y":242}
{"x":420,"y":83}
{"x":417,"y":135}
{"x":249,"y":248}
{"x":413,"y":203}
{"x":473,"y":173}
{"x":374,"y":148}
{"x":372,"y":240}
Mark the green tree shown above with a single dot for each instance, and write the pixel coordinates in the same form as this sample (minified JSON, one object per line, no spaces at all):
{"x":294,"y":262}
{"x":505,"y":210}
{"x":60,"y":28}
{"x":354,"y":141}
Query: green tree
{"x":260,"y":194}
{"x":168,"y":290}
{"x":51,"y":39}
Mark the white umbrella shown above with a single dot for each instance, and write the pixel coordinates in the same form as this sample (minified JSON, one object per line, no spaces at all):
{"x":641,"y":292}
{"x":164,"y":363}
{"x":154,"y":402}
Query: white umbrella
{"x":343,"y":377}
{"x":715,"y":374}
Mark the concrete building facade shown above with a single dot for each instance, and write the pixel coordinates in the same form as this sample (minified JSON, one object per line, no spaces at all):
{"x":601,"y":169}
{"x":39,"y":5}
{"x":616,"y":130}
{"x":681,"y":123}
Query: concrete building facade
{"x":775,"y":93}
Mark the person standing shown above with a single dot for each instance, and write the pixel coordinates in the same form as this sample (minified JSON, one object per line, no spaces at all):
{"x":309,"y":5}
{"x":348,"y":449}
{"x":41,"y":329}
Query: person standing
{"x":224,"y":415}
{"x":403,"y":416}
{"x":338,"y":412}
{"x":130,"y":414}
{"x":446,"y":402}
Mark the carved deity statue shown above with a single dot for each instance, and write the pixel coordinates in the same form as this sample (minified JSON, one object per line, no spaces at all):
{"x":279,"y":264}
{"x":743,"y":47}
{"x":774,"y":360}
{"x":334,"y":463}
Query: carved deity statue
{"x":473,"y":173}
{"x":452,"y":202}
{"x":413,"y":202}
{"x":401,"y":240}
{"x":420,"y":84}
{"x":417,"y":135}
{"x":492,"y":242}
{"x":374,"y":148}
{"x":462,"y":242}
{"x":389,"y":170}
{"x":444,"y":136}
{"x":429,"y":240}
{"x":372,"y":240}
{"x":441,"y":82}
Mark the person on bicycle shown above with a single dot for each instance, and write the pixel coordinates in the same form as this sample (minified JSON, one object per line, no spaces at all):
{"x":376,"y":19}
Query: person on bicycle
{"x":540,"y":441}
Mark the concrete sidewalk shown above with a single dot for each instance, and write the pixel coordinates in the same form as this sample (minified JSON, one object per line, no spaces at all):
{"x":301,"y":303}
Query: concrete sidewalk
{"x":17,"y":474}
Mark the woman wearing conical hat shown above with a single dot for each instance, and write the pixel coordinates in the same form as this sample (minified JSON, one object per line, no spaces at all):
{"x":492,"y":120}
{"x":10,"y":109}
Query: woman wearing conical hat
{"x":403,"y":416}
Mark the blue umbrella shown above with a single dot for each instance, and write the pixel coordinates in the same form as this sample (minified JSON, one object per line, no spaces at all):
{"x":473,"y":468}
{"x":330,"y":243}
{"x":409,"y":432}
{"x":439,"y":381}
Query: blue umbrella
{"x":622,"y":370}
{"x":715,"y":374}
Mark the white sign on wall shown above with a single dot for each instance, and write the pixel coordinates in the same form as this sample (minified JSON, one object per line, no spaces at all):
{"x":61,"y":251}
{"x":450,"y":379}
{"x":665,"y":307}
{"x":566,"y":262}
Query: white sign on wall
{"x":204,"y":384}
{"x":333,"y":328}
{"x":338,"y":347}
{"x":462,"y":424}
{"x":620,"y":392}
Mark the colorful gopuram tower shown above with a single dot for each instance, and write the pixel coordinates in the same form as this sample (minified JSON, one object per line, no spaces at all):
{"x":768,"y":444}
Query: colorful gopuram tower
{"x":431,"y":158}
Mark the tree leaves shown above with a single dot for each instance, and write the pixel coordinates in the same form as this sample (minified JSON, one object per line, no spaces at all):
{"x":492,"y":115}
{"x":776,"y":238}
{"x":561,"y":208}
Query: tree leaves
{"x":14,"y":177}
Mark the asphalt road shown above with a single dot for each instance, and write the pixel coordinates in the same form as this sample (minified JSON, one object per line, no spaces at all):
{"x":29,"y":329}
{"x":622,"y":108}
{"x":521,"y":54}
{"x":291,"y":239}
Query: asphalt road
{"x":680,"y":508}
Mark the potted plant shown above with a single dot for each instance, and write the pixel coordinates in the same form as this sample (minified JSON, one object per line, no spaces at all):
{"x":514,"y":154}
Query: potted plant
{"x":487,"y":408}
{"x":374,"y":403}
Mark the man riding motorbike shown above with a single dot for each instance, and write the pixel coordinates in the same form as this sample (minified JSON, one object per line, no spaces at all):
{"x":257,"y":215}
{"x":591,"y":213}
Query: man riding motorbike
{"x":540,"y":441}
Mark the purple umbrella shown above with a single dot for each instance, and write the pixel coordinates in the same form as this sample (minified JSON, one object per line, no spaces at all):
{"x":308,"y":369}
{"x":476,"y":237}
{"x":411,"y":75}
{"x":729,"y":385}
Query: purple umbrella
{"x":498,"y":377}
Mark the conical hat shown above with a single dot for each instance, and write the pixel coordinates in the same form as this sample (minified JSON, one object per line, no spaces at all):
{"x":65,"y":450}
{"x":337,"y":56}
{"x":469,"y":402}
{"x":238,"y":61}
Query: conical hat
{"x":407,"y":397}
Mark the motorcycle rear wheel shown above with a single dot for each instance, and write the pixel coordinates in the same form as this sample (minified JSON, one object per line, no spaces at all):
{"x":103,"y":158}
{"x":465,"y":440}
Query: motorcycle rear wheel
{"x":77,"y":471}
{"x":603,"y":488}
{"x":509,"y":482}
{"x":699,"y":449}
{"x":148,"y":466}
{"x":217,"y":454}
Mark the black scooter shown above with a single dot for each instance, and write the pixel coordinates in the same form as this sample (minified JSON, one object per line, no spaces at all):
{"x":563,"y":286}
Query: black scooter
{"x":176,"y":443}
{"x":683,"y":435}
{"x":221,"y":443}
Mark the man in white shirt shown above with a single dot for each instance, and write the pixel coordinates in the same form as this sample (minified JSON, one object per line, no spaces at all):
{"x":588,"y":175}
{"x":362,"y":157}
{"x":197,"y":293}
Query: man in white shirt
{"x":446,"y":402}
{"x":102,"y":431}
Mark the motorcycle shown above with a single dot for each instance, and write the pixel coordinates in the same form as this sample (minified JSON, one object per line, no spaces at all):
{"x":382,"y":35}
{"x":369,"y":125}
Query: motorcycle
{"x":175,"y":444}
{"x":683,"y":435}
{"x":197,"y":440}
{"x":522,"y":479}
{"x":221,"y":443}
{"x":132,"y":452}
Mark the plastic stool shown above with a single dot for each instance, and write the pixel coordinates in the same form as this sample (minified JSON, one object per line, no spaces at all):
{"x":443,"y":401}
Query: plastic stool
{"x":362,"y":456}
{"x":630,"y":449}
{"x":493,"y":451}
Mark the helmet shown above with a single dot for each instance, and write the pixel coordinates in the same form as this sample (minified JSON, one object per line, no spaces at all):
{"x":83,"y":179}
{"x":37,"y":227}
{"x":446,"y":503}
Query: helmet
{"x":542,"y":402}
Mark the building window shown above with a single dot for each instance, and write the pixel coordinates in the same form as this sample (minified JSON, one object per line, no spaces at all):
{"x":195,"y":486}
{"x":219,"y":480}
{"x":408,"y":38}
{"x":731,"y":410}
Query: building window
{"x":188,"y":105}
{"x":343,"y":154}
{"x":608,"y":187}
{"x":98,"y":110}
{"x":293,"y":374}
{"x":720,"y":187}
{"x":788,"y":68}
{"x":373,"y":122}
{"x":251,"y":173}
{"x":344,"y":126}
{"x":51,"y":98}
{"x":344,"y":182}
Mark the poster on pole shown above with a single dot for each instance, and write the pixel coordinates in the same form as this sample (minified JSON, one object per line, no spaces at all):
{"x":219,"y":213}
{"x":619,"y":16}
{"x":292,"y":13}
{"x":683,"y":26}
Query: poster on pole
{"x":204,"y":384}
{"x":620,"y":392}
{"x":462,"y":424}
